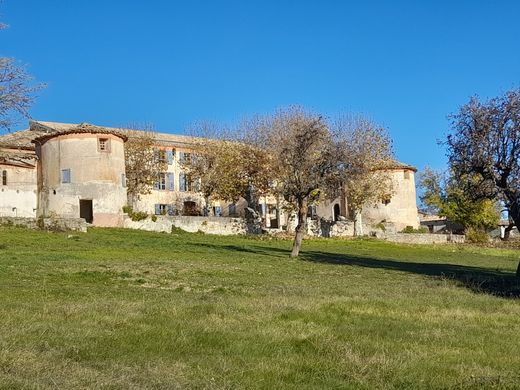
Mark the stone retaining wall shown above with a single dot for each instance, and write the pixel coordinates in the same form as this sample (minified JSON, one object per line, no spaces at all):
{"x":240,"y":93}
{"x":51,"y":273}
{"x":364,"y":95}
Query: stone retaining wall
{"x":420,"y":238}
{"x":209,"y":225}
{"x":53,"y":224}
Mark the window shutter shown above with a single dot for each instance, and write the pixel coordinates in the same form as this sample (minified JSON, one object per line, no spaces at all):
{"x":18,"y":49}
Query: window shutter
{"x":123,"y":180}
{"x":182,"y":182}
{"x":169,"y":156}
{"x":171,"y":181}
{"x":65,"y":175}
{"x":170,"y":209}
{"x":157,"y":209}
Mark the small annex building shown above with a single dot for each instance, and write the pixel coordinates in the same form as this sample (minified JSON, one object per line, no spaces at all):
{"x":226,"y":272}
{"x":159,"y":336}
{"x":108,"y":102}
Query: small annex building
{"x":78,"y":170}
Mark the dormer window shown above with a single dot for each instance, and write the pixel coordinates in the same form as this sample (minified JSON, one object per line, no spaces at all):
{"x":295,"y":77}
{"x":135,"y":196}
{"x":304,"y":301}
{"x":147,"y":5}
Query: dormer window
{"x":104,"y":144}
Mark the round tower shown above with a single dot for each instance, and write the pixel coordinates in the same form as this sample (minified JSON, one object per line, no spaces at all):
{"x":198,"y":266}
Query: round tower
{"x":81,"y":174}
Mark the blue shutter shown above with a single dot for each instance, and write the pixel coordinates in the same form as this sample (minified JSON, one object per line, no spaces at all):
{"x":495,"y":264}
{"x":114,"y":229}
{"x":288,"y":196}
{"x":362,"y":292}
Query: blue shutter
{"x":157,"y":209}
{"x":170,"y":209}
{"x":169,"y":156}
{"x":157,"y":183}
{"x":65,"y":175}
{"x":182,"y":182}
{"x":171,"y":181}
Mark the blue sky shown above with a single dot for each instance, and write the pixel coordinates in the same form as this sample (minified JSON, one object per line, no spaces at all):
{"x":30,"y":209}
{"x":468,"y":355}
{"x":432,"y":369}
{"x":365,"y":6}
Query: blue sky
{"x":406,"y":64}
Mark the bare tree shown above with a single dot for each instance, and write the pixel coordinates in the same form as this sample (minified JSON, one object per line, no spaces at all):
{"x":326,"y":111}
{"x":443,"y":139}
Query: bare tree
{"x":364,"y":154}
{"x":302,"y":158}
{"x":17,"y":92}
{"x":485,"y":144}
{"x":228,"y":168}
{"x":142,"y":161}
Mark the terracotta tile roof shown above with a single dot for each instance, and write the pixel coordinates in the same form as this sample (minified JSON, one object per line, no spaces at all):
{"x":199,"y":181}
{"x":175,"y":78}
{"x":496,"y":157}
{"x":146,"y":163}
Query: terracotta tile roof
{"x":43,"y":130}
{"x":20,"y":139}
{"x":78,"y":129}
{"x":394,"y":164}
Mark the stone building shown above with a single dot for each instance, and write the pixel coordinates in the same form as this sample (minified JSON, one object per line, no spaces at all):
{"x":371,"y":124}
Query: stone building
{"x":70,"y":170}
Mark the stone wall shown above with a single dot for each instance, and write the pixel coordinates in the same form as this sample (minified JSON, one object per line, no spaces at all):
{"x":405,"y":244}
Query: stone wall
{"x":53,"y":224}
{"x":209,"y":225}
{"x":419,"y":238}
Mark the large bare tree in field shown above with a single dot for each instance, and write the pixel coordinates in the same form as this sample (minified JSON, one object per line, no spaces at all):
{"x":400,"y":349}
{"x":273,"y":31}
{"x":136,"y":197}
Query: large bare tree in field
{"x":485,"y":144}
{"x":17,"y":92}
{"x":303,"y":158}
{"x":142,"y":163}
{"x":296,"y":156}
{"x":364,"y":151}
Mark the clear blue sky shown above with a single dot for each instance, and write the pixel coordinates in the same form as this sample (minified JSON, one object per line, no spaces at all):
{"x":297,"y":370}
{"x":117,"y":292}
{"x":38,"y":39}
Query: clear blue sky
{"x":407,"y":64}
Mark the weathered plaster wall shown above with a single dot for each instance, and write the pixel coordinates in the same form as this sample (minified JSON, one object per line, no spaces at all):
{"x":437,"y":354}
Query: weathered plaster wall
{"x":19,"y":197}
{"x":94,"y":175}
{"x":402,"y":209}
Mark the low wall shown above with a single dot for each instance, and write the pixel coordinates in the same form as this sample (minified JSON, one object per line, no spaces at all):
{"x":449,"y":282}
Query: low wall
{"x":426,"y":238}
{"x":209,"y":225}
{"x":345,"y":228}
{"x":53,"y":224}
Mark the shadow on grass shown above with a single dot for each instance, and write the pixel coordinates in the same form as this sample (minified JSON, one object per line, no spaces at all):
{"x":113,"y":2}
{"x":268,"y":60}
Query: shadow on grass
{"x":477,"y":279}
{"x":480,"y":280}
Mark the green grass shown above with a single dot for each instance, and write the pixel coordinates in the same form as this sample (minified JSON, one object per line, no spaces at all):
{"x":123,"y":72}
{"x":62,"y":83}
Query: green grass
{"x":120,"y":309}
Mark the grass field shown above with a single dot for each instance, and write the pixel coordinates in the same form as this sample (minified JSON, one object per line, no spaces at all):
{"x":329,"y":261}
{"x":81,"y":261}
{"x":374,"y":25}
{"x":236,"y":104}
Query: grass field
{"x":122,"y":309}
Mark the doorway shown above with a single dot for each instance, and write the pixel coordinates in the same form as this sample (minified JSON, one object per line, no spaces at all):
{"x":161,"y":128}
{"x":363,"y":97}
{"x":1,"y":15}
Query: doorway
{"x":337,"y":212}
{"x":85,"y":210}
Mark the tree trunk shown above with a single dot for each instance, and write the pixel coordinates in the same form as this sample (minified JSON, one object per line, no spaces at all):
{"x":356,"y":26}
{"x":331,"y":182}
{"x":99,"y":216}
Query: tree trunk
{"x":358,"y":223}
{"x":301,"y":228}
{"x":514,"y":214}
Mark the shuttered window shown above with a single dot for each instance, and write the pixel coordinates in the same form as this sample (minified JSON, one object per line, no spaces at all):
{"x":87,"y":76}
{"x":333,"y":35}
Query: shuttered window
{"x":65,"y":175}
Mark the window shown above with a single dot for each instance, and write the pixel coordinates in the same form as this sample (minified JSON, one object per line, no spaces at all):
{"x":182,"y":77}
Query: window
{"x":171,"y":181}
{"x":185,"y":156}
{"x":182,"y":182}
{"x":123,"y":180}
{"x":232,"y":210}
{"x":4,"y":178}
{"x":65,"y":175}
{"x":163,"y":156}
{"x":160,"y":184}
{"x":311,"y":212}
{"x":217,"y":211}
{"x":386,"y":200}
{"x":104,"y":144}
{"x":170,"y":154}
{"x":161,"y":209}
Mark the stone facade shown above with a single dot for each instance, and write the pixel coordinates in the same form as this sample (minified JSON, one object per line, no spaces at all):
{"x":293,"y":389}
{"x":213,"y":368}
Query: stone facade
{"x":74,"y":171}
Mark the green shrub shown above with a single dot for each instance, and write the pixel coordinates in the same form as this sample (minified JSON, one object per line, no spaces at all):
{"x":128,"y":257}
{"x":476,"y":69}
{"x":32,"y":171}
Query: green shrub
{"x":138,"y":215}
{"x":477,"y":236}
{"x":411,"y":229}
{"x":154,"y":218}
{"x":380,"y":226}
{"x":128,"y":209}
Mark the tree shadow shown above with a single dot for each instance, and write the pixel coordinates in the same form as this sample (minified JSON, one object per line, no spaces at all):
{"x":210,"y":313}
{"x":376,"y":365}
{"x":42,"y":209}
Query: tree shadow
{"x":477,"y":279}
